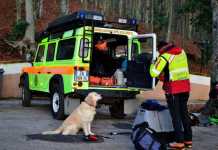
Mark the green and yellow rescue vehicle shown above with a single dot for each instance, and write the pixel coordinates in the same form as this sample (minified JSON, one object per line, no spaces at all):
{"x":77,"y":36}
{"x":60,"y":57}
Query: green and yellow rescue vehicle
{"x":82,"y":52}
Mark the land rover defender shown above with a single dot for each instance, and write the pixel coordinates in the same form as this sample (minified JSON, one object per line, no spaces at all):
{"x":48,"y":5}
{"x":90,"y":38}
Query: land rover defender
{"x":83,"y":52}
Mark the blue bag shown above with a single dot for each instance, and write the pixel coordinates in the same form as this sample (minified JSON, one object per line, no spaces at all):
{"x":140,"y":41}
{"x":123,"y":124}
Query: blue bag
{"x":144,"y":138}
{"x":152,"y":104}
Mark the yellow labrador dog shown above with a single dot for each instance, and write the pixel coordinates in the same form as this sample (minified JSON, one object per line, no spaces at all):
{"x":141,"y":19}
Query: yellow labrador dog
{"x":80,"y":118}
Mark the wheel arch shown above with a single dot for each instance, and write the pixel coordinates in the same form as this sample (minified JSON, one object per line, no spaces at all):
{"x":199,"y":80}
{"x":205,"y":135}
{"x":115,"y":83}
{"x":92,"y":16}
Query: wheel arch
{"x":56,"y":79}
{"x":22,"y":79}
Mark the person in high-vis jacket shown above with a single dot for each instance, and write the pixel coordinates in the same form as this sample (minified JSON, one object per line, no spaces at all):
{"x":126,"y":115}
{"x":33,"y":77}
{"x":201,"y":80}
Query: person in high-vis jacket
{"x":171,"y":66}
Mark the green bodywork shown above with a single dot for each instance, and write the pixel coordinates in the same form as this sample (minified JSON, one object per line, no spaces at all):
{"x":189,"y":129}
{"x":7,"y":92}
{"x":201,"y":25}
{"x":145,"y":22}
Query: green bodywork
{"x":41,"y":81}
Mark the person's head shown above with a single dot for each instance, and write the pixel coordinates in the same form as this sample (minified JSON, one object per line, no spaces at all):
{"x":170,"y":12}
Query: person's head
{"x":161,"y":45}
{"x":164,"y":46}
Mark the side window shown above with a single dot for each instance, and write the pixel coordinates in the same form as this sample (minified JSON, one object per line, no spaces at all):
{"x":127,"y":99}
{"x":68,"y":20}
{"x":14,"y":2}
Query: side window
{"x":142,"y":49}
{"x":84,"y":50}
{"x":65,"y":49}
{"x":135,"y":51}
{"x":40,"y":53}
{"x":50,"y":52}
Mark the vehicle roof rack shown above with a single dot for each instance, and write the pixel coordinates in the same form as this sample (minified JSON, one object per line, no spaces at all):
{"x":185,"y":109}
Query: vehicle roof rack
{"x":85,"y":18}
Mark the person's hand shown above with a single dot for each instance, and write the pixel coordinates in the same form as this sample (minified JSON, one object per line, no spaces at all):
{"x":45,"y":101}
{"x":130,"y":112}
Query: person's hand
{"x":161,"y":77}
{"x":153,"y":61}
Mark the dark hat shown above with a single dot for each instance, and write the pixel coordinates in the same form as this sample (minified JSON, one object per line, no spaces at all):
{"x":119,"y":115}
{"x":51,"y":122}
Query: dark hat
{"x":161,"y":44}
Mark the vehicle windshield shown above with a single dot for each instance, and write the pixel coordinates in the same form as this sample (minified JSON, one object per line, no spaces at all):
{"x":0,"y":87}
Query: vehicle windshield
{"x":141,"y":49}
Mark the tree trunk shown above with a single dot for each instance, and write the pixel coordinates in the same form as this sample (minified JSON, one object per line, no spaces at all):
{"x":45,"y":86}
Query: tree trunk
{"x":18,"y":9}
{"x":190,"y":26}
{"x":30,"y":31}
{"x":152,"y":15}
{"x":37,"y":8}
{"x":170,"y":20}
{"x":214,"y":60}
{"x":40,"y":8}
{"x":146,"y":11}
{"x":120,"y":8}
{"x":212,"y":105}
{"x":64,"y":7}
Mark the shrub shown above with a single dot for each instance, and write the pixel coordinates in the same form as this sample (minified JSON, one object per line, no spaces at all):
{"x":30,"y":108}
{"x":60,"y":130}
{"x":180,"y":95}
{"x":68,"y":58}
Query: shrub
{"x":18,"y":30}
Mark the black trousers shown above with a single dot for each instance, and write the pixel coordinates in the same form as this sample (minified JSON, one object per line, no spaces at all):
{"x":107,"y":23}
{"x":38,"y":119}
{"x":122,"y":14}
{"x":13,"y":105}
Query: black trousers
{"x":177,"y":104}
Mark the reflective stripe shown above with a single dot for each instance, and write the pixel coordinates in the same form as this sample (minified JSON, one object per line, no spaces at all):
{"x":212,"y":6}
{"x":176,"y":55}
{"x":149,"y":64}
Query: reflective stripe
{"x":52,"y":69}
{"x":179,"y":74}
{"x":155,"y":71}
{"x":171,"y":58}
{"x":179,"y":70}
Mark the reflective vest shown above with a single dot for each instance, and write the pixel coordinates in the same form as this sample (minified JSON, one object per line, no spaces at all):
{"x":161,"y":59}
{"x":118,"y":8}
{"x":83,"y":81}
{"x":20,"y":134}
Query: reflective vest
{"x":177,"y":66}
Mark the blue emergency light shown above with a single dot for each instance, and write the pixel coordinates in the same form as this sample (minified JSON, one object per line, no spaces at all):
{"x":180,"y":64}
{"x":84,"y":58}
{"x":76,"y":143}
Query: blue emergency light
{"x":133,"y":21}
{"x":81,"y":14}
{"x":89,"y":15}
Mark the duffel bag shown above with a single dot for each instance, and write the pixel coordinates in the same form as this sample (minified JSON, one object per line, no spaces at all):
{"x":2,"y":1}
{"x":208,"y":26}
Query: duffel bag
{"x":144,"y":138}
{"x":94,"y":80}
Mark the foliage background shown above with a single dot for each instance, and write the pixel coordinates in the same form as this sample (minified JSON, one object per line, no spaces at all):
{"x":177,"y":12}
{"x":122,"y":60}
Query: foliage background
{"x":188,"y":23}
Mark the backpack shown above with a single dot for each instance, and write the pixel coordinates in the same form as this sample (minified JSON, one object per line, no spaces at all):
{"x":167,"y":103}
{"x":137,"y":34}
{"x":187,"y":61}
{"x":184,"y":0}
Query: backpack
{"x":144,"y":138}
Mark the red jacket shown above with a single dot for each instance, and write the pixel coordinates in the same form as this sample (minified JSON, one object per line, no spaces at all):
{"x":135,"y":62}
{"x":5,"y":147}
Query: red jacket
{"x":173,"y":87}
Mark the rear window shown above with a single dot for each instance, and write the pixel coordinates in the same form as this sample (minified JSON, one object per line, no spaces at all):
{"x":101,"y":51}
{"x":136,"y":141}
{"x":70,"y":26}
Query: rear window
{"x":51,"y":52}
{"x":65,"y":49}
{"x":40,"y":53}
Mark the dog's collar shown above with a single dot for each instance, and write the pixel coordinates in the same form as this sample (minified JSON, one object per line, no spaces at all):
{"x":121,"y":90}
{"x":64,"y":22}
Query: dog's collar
{"x":89,"y":104}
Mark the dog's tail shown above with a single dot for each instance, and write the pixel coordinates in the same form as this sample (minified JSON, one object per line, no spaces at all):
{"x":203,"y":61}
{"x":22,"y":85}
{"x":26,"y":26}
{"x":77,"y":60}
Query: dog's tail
{"x":57,"y":131}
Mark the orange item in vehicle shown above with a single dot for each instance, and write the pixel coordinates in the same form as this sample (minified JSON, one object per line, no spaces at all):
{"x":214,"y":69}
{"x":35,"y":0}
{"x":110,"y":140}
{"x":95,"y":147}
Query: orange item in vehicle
{"x":101,"y":46}
{"x":94,"y":80}
{"x":107,"y":81}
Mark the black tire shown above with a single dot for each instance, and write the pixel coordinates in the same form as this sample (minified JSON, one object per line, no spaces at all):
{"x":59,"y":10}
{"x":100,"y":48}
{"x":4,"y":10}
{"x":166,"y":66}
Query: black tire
{"x":26,"y":93}
{"x":117,"y":109}
{"x":57,"y":101}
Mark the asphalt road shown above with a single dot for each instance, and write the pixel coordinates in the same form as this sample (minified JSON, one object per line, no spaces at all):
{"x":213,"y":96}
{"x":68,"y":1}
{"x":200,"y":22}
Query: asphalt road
{"x":17,"y":122}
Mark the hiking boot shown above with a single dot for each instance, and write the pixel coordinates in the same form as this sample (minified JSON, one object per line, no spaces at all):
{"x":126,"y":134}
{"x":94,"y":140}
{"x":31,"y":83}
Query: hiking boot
{"x":188,"y":144}
{"x":177,"y":146}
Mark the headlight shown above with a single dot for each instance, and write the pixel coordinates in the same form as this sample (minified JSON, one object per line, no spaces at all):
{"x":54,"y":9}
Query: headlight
{"x":81,"y":75}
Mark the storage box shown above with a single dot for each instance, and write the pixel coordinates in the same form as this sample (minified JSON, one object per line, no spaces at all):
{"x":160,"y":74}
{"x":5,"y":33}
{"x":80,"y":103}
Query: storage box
{"x":160,"y":121}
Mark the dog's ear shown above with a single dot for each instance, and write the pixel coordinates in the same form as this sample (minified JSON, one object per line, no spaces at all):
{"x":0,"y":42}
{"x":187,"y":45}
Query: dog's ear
{"x":88,"y":97}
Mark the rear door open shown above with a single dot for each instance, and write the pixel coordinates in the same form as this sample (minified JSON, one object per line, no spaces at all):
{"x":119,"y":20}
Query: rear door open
{"x":142,"y":52}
